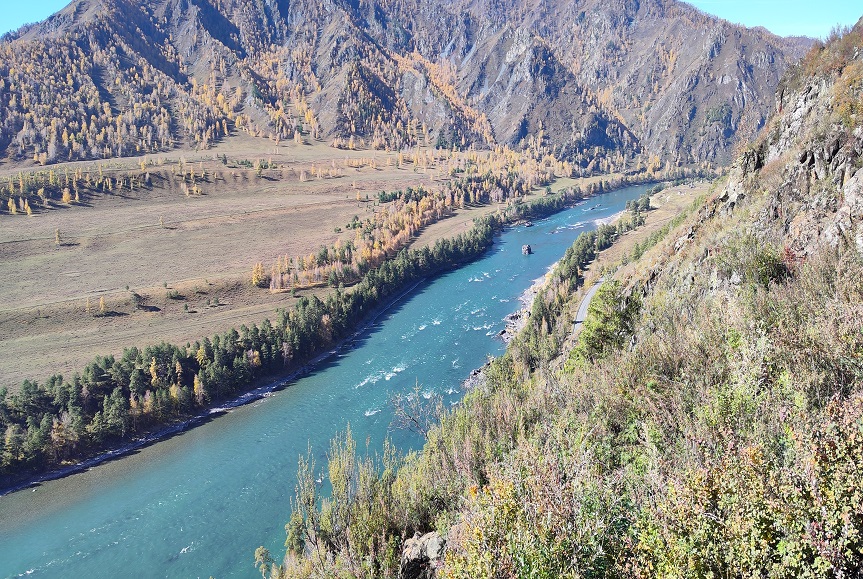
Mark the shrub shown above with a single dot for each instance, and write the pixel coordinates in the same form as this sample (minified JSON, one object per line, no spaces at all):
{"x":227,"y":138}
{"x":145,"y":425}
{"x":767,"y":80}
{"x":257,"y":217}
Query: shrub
{"x":609,"y":323}
{"x":752,"y":261}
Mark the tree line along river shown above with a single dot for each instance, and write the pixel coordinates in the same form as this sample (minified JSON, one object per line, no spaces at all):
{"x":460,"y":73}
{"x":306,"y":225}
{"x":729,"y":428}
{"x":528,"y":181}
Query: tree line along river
{"x":199,"y":503}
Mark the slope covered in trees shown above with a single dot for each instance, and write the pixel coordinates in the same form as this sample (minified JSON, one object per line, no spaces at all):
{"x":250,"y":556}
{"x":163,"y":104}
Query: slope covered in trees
{"x":600,"y":84}
{"x":707,"y":422}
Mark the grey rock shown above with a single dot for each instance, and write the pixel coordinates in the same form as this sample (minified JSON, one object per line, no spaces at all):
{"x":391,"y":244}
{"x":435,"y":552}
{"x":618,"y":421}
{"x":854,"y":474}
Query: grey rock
{"x":422,"y":556}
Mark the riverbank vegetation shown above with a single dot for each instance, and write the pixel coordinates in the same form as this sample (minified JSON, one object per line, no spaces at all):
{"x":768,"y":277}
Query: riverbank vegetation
{"x":231,"y":209}
{"x":707,"y":422}
{"x":115,"y":399}
{"x":388,"y":497}
{"x":501,"y":178}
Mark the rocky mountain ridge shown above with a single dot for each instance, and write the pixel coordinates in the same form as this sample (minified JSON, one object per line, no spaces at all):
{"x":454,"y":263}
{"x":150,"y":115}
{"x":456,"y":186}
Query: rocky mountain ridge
{"x":810,"y":158}
{"x":798,"y":187}
{"x":609,"y":85}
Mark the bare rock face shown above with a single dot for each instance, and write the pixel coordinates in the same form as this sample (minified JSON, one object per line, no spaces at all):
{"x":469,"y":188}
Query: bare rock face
{"x":422,"y":556}
{"x":848,"y":214}
{"x":809,"y":163}
{"x":738,"y":179}
{"x":820,"y":199}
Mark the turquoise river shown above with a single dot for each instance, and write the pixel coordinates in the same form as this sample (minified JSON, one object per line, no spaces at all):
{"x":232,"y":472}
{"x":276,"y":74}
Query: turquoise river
{"x":199,"y":503}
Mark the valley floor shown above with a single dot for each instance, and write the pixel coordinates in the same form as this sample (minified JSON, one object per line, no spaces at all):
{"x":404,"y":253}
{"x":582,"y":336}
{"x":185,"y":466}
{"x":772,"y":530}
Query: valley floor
{"x":199,"y":247}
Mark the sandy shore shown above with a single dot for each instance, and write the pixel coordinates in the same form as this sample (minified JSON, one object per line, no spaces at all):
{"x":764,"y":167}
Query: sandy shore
{"x":611,"y":218}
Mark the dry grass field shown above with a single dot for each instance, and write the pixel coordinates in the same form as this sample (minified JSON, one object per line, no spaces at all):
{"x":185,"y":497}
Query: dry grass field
{"x":159,"y":239}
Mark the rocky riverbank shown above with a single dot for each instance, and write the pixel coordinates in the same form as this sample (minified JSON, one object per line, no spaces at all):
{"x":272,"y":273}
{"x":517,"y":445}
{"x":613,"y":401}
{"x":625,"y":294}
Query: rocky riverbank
{"x":514,"y":323}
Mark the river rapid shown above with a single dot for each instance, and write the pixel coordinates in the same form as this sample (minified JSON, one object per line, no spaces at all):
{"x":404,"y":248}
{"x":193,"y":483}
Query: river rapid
{"x":199,"y":503}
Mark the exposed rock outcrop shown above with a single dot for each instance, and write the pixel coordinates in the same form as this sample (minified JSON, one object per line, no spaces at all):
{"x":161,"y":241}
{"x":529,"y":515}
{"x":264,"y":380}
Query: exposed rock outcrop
{"x":422,"y":556}
{"x":803,"y":178}
{"x":809,"y":165}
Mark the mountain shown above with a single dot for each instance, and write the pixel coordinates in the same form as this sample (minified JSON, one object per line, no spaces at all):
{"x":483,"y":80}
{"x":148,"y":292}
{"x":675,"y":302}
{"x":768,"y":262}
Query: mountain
{"x":608,"y":84}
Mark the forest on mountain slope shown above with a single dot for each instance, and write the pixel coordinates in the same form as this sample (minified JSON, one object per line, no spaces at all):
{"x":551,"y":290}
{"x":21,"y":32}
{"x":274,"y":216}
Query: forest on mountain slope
{"x":707,"y":422}
{"x":607,"y":86}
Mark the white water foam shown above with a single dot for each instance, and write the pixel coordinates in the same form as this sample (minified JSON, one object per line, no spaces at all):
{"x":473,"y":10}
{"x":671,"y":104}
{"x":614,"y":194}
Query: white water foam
{"x":364,"y":382}
{"x":396,"y":370}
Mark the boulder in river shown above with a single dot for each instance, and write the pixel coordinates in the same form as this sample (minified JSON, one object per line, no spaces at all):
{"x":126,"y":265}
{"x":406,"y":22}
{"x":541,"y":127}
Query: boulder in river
{"x":525,"y":249}
{"x":422,"y":556}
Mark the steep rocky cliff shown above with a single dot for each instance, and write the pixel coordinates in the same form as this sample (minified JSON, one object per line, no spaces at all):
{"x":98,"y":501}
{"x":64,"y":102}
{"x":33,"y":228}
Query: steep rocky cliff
{"x":809,"y":161}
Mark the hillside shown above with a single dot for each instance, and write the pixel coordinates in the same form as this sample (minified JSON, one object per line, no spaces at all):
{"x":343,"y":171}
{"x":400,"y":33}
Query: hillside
{"x":607,"y":85}
{"x":704,"y":421}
